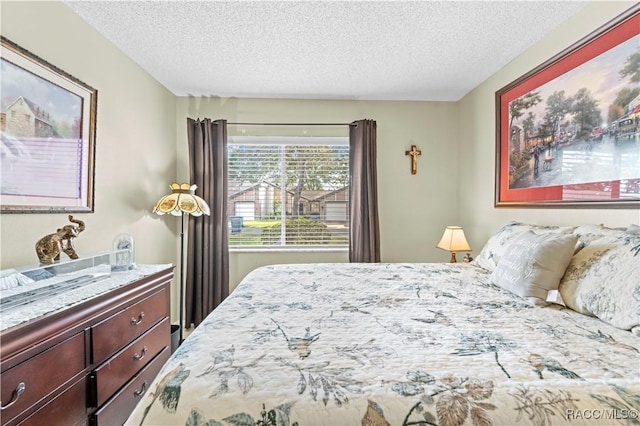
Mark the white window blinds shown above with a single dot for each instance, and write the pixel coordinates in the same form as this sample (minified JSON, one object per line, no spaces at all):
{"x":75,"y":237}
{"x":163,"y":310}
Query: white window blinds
{"x":288,"y":191}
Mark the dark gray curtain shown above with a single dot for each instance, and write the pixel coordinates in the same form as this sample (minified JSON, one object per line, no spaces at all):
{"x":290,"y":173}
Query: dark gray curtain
{"x":364,"y":232}
{"x":207,"y":283}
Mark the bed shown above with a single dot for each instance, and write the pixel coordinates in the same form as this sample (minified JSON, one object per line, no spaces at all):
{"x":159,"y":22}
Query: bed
{"x":416,"y":344}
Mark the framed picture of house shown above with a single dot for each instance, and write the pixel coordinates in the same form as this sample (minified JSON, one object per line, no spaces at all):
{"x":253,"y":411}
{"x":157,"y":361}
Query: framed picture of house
{"x":568,"y":132}
{"x":48,"y":136}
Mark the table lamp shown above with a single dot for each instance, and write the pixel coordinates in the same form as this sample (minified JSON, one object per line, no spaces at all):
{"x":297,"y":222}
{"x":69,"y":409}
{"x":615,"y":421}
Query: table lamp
{"x":453,"y":240}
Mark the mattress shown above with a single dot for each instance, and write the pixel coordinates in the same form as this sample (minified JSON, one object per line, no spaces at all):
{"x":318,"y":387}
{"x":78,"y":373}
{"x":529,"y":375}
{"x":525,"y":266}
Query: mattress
{"x":393,"y":344}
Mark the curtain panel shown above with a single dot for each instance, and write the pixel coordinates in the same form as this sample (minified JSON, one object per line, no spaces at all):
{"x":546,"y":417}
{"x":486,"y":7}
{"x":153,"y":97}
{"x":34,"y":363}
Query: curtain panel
{"x":364,"y":227}
{"x":207,"y":281}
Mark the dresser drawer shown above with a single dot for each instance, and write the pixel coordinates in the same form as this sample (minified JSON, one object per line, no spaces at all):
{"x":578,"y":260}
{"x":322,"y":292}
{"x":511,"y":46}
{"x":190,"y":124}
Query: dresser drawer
{"x":119,"y":330}
{"x":118,"y":409}
{"x":40,"y":375}
{"x":117,"y":371}
{"x":67,"y":409}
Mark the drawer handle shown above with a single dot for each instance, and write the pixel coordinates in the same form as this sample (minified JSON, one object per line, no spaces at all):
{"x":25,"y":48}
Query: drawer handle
{"x":16,"y":394}
{"x":143,"y":352}
{"x":142,"y":390}
{"x":136,"y":321}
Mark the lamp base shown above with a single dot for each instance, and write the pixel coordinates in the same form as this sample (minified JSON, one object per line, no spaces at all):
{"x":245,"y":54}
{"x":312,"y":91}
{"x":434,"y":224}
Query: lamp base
{"x":453,"y":257}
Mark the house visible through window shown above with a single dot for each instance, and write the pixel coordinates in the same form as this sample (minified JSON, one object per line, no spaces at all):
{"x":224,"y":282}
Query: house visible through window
{"x":288,"y":191}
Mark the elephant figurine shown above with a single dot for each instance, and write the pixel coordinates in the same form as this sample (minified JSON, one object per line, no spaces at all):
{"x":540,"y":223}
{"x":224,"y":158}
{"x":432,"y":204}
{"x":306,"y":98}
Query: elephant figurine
{"x":48,"y":248}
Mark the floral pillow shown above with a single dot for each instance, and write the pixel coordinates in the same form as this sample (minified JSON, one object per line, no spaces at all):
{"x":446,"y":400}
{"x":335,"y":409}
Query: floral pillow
{"x":583,"y":260}
{"x":533,"y":265}
{"x":603,"y":278}
{"x":497,"y":245}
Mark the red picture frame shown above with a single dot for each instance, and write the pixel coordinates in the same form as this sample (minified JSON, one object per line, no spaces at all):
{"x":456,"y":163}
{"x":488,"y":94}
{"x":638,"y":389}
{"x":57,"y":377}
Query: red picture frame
{"x":568,"y":131}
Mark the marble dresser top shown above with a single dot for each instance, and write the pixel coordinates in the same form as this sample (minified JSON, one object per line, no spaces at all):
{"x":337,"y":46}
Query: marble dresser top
{"x":103,"y":282}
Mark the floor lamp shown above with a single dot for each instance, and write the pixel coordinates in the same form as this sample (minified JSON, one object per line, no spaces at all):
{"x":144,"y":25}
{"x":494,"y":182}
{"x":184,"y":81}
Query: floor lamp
{"x":181,"y":202}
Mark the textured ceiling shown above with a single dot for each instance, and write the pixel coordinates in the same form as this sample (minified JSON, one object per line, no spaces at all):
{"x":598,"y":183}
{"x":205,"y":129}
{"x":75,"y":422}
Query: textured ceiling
{"x":392,"y":50}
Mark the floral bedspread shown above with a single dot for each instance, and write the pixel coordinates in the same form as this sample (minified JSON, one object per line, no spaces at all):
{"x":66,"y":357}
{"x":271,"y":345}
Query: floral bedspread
{"x":393,"y":344}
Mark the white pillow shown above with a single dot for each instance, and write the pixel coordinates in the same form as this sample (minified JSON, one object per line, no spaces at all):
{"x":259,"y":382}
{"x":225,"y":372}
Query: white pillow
{"x":633,"y":229}
{"x":603,"y":279}
{"x":533,"y":264}
{"x":496,"y":246}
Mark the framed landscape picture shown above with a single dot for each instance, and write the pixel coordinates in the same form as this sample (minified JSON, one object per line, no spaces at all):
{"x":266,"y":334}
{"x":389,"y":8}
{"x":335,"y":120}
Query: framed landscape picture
{"x":568,"y":132}
{"x":47,"y":134}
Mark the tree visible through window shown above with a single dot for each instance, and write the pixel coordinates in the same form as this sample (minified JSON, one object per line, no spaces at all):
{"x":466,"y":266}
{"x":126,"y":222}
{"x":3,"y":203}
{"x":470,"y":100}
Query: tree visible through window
{"x":288,"y":191}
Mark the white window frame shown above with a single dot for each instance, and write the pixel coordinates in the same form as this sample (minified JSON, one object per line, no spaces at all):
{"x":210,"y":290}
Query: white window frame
{"x":289,"y":140}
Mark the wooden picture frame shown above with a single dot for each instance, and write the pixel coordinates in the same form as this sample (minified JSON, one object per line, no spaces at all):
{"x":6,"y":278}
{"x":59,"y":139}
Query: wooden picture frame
{"x":48,"y":136}
{"x":567,"y":132}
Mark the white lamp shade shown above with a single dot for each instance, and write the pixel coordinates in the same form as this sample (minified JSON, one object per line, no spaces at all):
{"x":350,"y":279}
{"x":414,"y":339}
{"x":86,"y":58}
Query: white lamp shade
{"x":454,"y":240}
{"x":182,"y":200}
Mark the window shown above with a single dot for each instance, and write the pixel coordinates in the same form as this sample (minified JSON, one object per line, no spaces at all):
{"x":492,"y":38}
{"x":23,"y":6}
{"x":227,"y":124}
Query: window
{"x":288,"y":191}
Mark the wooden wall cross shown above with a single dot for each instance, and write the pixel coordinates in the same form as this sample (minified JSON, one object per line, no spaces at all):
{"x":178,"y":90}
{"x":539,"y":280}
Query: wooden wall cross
{"x":414,"y":158}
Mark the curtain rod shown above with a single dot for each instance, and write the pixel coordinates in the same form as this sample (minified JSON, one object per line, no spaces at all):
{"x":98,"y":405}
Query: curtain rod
{"x":292,"y":124}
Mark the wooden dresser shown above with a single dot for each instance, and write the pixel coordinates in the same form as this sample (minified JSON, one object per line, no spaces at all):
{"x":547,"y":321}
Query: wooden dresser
{"x":88,"y":363}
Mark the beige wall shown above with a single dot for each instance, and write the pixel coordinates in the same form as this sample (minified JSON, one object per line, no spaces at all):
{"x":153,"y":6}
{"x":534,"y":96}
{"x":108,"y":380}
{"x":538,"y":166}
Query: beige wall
{"x":141,"y":148}
{"x":135,"y":143}
{"x":476,"y":120}
{"x":414,"y":209}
